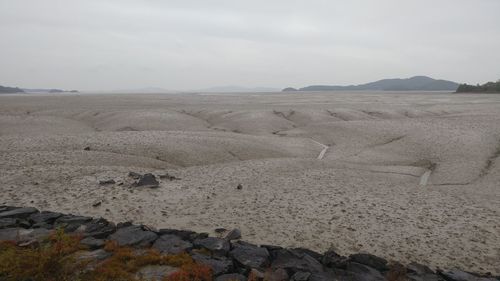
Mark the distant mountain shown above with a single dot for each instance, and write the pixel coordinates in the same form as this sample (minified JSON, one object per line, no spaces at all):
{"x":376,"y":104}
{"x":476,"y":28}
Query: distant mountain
{"x":416,"y":83}
{"x":10,"y":90}
{"x":490,"y":87}
{"x":239,"y":89}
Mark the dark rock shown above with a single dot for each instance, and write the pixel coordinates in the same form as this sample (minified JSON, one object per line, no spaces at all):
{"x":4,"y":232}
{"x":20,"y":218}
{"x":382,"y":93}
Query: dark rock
{"x":171,"y":244}
{"x":239,"y":187}
{"x":45,"y":217}
{"x":155,"y":272}
{"x":271,"y":248}
{"x":22,"y":235}
{"x":363,"y":272}
{"x":311,"y":253}
{"x":43,"y":225}
{"x":231,"y":277}
{"x":219,"y":265}
{"x":370,"y":260}
{"x":99,"y":254}
{"x":24,"y":224}
{"x":184,"y":234}
{"x":301,"y":276}
{"x":134,"y":175}
{"x":92,"y":243}
{"x":20,"y":213}
{"x":133,"y":236}
{"x":215,"y":245}
{"x":295,"y":261}
{"x":220,"y":230}
{"x":166,"y":176}
{"x":250,"y":256}
{"x":71,"y":223}
{"x":99,"y":228}
{"x":233,"y":235}
{"x":106,"y":182}
{"x":458,"y":275}
{"x":7,"y":208}
{"x":147,"y":180}
{"x":124,"y":224}
{"x":96,"y":204}
{"x":332,"y":259}
{"x":87,"y":148}
{"x":8,"y":222}
{"x":419,"y":269}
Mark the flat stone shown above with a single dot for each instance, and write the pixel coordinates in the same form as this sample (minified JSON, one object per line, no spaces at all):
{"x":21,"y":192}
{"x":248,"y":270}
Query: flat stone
{"x":23,"y":235}
{"x":183,"y":234}
{"x":133,"y":236}
{"x":46,"y":217}
{"x":370,"y":260}
{"x":458,"y":275}
{"x":93,"y":255}
{"x":219,"y":265}
{"x":364,"y":272}
{"x":155,"y":272}
{"x":99,"y":228}
{"x":331,"y":259}
{"x":8,"y":222}
{"x":301,"y":276}
{"x":20,"y":213}
{"x":216,"y":245}
{"x":92,"y":243}
{"x":171,"y":244}
{"x":295,"y":261}
{"x":250,"y":256}
{"x":231,"y":277}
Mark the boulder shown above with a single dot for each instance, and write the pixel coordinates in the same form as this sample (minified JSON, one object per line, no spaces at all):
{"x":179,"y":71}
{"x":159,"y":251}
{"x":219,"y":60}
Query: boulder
{"x":184,"y":234}
{"x":44,"y":217}
{"x":147,"y":180}
{"x":231,"y":277}
{"x":92,"y":243}
{"x":301,"y":276}
{"x":215,"y":245}
{"x":370,"y":260}
{"x":171,"y":244}
{"x":22,"y":235}
{"x":20,"y":213}
{"x":295,"y":261}
{"x":133,"y":236}
{"x":98,"y":228}
{"x":134,"y":175}
{"x":155,"y":272}
{"x":250,"y":256}
{"x":218,"y":264}
{"x":71,"y":223}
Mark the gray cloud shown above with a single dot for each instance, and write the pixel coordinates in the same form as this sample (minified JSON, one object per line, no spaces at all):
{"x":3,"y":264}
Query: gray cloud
{"x":92,"y":44}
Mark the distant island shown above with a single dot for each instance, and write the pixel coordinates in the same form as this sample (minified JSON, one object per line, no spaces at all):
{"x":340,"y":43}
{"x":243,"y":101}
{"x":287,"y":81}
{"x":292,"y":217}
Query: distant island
{"x":416,"y":83}
{"x":13,"y":90}
{"x":490,"y":87}
{"x":10,"y":90}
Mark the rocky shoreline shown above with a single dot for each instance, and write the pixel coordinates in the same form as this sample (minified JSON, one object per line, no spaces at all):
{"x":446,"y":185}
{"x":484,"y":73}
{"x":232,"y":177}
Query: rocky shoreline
{"x":228,"y":257}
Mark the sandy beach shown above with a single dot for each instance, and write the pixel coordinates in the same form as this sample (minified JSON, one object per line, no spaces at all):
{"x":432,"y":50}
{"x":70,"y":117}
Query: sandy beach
{"x":406,"y":176}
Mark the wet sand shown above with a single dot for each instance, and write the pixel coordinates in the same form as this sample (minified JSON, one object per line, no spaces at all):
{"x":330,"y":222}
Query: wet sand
{"x":407,"y":176}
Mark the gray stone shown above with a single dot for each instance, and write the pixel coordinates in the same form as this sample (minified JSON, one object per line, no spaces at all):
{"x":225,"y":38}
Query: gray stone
{"x":231,"y":277}
{"x":233,"y":235}
{"x":219,"y":265}
{"x":458,"y":275}
{"x":216,"y":245}
{"x":133,"y":236}
{"x":93,"y":255}
{"x":20,"y":213}
{"x":171,"y":244}
{"x":301,"y":276}
{"x":92,"y":243}
{"x":332,"y":259}
{"x":23,"y":235}
{"x":370,"y":260}
{"x":364,"y":272}
{"x":295,"y":261}
{"x":45,"y":217}
{"x":99,"y":228}
{"x":147,"y":180}
{"x":155,"y":272}
{"x":250,"y":256}
{"x":8,"y":222}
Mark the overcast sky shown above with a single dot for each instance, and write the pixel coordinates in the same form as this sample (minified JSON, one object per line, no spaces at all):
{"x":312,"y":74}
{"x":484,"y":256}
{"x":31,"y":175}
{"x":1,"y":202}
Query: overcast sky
{"x":187,"y":44}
